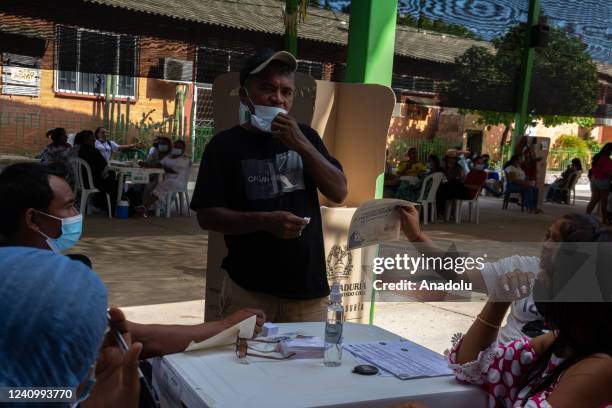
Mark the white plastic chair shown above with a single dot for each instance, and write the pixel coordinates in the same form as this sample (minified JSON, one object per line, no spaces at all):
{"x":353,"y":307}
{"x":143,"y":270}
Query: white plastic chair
{"x":80,"y":170}
{"x":435,"y":179}
{"x":178,"y":197}
{"x":570,"y":187}
{"x":474,"y":211}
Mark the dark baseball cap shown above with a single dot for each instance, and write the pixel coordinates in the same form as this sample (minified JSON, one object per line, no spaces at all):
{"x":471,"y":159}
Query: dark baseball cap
{"x":260,"y":61}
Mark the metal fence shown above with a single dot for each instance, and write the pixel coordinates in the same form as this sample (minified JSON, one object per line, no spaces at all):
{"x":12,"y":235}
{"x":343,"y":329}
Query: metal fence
{"x":559,"y":159}
{"x":398,"y":148}
{"x":203,"y":121}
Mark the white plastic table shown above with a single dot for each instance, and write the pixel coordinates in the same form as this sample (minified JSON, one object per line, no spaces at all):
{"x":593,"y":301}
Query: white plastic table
{"x":214,"y":378}
{"x":123,"y":170}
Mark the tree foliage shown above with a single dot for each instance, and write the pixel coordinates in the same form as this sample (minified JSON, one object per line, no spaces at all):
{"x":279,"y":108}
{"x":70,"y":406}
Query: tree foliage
{"x":564,"y":85}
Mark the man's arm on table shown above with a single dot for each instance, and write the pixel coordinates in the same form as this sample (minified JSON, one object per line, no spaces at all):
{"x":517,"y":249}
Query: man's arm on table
{"x":162,"y":339}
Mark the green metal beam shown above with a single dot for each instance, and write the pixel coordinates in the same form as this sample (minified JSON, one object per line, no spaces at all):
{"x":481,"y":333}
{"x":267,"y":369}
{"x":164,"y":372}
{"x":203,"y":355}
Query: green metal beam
{"x":371,"y":42}
{"x":291,"y":9}
{"x":522,"y":103}
{"x":371,"y":46}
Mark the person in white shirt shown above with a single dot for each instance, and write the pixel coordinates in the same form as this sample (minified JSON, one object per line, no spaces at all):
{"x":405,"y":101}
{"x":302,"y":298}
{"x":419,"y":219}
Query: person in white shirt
{"x":107,"y":147}
{"x":177,"y":168}
{"x":511,"y":278}
{"x":517,"y":183}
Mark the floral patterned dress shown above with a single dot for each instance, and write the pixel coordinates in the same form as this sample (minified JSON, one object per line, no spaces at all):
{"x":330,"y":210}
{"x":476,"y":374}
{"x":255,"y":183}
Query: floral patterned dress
{"x":499,"y":369}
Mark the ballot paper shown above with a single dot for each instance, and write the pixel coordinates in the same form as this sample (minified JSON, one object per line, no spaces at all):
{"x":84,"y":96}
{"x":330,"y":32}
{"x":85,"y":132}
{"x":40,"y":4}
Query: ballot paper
{"x":375,"y":221}
{"x":245,"y":329}
{"x":404,"y":359}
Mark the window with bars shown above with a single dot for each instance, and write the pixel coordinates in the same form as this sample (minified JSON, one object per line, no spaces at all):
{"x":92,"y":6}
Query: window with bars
{"x":212,"y":62}
{"x":403,"y":82}
{"x":85,"y":57}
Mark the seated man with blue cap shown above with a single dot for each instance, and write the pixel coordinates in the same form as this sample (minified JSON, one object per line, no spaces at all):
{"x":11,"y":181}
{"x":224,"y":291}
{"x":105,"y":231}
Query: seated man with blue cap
{"x":41,"y":214}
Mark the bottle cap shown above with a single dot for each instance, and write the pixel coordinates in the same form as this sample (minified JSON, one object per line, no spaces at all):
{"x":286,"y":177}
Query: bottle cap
{"x":335,"y":296}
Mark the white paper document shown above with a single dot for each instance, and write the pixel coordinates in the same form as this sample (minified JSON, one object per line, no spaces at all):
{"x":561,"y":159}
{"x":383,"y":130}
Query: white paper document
{"x":375,"y":221}
{"x":404,"y":359}
{"x":245,"y":329}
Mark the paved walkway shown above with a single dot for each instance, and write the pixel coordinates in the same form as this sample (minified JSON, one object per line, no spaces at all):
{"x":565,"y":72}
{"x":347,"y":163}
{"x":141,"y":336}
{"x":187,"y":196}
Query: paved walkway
{"x":155,"y":268}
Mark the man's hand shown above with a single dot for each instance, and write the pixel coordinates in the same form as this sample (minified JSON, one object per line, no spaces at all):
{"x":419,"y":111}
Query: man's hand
{"x":409,"y":216}
{"x":244,"y":314}
{"x":286,"y":129}
{"x":117,"y":382}
{"x":283,"y":224}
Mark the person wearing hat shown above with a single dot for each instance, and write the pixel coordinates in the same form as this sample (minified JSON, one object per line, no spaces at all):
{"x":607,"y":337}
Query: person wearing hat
{"x":258,"y":184}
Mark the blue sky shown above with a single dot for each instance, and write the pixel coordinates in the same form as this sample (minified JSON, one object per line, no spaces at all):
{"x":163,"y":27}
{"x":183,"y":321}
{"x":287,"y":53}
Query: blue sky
{"x":590,"y":19}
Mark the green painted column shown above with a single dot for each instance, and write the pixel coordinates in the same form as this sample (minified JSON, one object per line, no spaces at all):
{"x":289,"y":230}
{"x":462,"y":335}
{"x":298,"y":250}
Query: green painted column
{"x":371,"y":43}
{"x":371,"y":46}
{"x":522,"y":103}
{"x":291,"y":9}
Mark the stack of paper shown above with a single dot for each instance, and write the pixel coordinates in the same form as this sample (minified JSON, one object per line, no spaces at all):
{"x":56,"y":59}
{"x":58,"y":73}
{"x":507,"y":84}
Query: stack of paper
{"x":303,"y":347}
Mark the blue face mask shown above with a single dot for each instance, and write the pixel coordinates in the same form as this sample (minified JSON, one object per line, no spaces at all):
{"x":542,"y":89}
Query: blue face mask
{"x":71,"y":232}
{"x":91,"y":381}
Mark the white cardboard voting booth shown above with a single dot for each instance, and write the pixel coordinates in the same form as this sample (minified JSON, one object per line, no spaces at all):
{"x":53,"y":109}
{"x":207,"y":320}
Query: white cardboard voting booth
{"x":353,"y":121}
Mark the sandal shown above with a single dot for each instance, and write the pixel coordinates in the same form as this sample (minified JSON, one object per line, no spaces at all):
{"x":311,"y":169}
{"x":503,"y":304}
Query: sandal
{"x":142,"y":211}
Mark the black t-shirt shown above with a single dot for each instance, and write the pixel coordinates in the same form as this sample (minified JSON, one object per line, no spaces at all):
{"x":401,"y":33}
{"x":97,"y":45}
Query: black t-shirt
{"x":250,"y":171}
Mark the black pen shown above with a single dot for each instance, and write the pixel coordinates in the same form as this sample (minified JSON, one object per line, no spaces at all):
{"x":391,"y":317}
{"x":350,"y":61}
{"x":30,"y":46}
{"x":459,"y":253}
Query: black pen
{"x":143,"y":380}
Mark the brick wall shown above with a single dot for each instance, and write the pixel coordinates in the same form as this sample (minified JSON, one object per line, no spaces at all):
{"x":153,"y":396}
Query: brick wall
{"x":24,"y":120}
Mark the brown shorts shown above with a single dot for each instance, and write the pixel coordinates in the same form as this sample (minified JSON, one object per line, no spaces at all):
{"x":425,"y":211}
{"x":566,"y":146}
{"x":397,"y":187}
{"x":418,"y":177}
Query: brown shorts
{"x":279,"y":310}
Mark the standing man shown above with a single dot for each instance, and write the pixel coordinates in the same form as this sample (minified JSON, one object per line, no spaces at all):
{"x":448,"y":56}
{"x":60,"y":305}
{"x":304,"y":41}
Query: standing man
{"x":258,"y":185}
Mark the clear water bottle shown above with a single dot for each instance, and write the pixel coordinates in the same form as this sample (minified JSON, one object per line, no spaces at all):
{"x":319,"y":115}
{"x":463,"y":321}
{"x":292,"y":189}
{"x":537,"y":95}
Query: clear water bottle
{"x":333,"y":328}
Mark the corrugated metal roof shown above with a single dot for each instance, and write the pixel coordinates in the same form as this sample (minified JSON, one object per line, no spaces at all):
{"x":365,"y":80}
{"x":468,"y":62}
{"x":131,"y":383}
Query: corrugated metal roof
{"x":605,"y":69}
{"x":320,"y":25}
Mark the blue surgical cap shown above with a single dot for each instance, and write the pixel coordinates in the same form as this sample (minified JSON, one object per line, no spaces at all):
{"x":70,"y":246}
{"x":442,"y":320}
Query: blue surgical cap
{"x":53,"y":318}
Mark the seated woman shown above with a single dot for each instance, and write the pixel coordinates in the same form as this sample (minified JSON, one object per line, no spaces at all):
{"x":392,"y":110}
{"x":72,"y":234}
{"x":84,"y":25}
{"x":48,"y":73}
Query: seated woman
{"x":103,"y":179}
{"x":176,"y":167}
{"x":161,"y":148}
{"x":411,"y":191}
{"x":107,"y":147}
{"x":461,"y":189}
{"x":411,"y":166}
{"x":55,"y":152}
{"x":570,"y":366}
{"x":517,"y":183}
{"x":561,"y":182}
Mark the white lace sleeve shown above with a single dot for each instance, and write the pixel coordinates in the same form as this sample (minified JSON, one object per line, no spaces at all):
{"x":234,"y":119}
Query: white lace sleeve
{"x":473,"y":372}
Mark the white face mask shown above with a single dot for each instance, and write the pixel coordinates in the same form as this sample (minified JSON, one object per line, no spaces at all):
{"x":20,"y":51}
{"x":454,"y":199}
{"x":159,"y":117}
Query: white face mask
{"x":479,"y":166}
{"x":176,"y":151}
{"x":263,"y":116}
{"x":243,"y":114}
